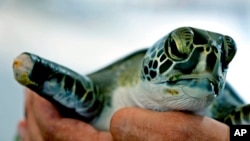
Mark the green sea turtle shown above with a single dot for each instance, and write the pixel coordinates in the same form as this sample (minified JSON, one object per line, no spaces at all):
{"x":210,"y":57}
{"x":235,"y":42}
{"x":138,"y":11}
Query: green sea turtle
{"x":185,"y":70}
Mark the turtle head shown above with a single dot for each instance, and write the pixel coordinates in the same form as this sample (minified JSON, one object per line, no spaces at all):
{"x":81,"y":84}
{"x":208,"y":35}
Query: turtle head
{"x":190,"y":63}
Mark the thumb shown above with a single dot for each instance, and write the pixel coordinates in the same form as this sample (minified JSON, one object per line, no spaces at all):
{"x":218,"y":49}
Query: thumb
{"x":136,"y":124}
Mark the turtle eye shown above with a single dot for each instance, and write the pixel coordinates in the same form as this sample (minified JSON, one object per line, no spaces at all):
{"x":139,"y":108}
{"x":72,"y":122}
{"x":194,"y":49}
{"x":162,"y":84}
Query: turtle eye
{"x":179,"y":43}
{"x":176,"y":51}
{"x":228,"y":51}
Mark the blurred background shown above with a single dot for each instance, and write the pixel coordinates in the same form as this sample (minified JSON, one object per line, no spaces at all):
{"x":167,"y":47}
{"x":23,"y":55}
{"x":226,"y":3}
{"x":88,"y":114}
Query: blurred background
{"x":87,"y":35}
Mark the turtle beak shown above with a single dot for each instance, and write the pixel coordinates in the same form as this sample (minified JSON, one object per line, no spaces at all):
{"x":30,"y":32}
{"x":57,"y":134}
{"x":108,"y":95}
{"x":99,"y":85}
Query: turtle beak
{"x":200,"y":88}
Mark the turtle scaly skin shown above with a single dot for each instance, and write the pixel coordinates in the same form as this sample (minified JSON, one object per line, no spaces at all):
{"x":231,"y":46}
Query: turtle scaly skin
{"x":185,"y":70}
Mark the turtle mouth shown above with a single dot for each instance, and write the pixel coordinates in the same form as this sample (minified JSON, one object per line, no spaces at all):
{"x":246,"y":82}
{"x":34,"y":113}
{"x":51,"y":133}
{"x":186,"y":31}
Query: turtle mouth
{"x":205,"y":88}
{"x":204,"y":81}
{"x":194,"y":86}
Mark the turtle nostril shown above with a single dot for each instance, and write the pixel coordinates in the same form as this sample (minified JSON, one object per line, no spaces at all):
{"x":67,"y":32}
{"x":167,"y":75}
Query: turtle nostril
{"x":207,"y":49}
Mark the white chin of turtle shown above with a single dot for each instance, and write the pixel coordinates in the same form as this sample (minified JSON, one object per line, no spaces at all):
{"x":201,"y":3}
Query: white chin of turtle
{"x":197,"y":95}
{"x":188,"y":95}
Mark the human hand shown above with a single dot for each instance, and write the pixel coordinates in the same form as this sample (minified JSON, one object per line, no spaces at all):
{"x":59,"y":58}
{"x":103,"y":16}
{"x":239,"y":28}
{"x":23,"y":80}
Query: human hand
{"x":43,"y":123}
{"x":134,"y":124}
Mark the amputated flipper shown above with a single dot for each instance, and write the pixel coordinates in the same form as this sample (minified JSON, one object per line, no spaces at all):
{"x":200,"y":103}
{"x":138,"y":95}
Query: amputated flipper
{"x":74,"y":95}
{"x":239,"y":116}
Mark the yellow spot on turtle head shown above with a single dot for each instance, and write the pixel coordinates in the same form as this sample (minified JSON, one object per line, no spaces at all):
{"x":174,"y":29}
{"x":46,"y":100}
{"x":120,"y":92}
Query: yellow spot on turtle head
{"x":172,"y":91}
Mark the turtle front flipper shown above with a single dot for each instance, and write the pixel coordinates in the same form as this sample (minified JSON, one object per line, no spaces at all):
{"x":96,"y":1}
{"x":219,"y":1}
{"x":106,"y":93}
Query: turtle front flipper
{"x":74,"y":95}
{"x":239,"y":116}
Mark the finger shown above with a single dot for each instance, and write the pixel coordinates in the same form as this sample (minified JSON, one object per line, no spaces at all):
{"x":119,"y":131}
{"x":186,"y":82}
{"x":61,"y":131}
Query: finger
{"x":33,"y":130}
{"x":54,"y":127}
{"x":33,"y":99}
{"x":136,"y":125}
{"x":139,"y":124}
{"x":23,"y":131}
